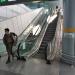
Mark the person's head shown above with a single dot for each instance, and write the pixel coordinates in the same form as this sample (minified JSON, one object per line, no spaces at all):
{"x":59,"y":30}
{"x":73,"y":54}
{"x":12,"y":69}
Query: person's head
{"x":56,"y":7}
{"x":6,"y":30}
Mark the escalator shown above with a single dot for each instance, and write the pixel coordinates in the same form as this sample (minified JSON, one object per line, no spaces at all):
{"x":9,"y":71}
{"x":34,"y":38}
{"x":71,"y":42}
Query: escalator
{"x":31,"y":39}
{"x":34,"y":45}
{"x":48,"y":37}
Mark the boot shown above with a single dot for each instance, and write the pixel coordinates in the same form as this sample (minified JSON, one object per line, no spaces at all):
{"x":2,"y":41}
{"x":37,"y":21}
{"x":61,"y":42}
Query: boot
{"x":23,"y":59}
{"x":48,"y":61}
{"x":8,"y":61}
{"x":18,"y":58}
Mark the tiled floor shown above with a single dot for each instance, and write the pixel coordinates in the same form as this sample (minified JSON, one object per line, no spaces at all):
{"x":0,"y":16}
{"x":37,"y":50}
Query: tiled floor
{"x":7,"y":73}
{"x":65,"y":69}
{"x":35,"y":66}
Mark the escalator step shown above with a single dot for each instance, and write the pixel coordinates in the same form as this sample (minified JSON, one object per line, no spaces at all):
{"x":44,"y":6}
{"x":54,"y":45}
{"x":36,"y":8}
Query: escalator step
{"x":42,"y":47}
{"x":47,"y":36}
{"x":46,"y":39}
{"x":50,"y":30}
{"x":43,"y":44}
{"x":41,"y":51}
{"x":50,"y":36}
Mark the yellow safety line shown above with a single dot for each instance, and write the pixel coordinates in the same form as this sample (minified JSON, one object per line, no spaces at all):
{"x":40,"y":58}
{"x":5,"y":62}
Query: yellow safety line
{"x":69,"y":30}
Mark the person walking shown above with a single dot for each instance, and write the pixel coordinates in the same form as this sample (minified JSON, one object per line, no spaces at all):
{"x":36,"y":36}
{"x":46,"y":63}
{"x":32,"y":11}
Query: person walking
{"x":8,"y":42}
{"x":47,"y":53}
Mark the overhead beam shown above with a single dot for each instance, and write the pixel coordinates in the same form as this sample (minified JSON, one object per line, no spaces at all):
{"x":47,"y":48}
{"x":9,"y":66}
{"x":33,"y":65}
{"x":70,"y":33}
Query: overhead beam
{"x":11,"y":2}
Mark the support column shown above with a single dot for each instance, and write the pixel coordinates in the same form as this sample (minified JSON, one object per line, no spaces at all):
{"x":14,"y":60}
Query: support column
{"x":68,"y":41}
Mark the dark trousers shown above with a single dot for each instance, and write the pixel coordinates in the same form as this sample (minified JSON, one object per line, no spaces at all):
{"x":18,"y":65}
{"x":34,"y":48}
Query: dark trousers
{"x":46,"y":51}
{"x":9,"y":50}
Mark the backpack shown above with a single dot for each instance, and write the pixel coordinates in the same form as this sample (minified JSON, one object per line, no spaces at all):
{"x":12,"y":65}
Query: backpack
{"x":15,"y":38}
{"x":7,"y":39}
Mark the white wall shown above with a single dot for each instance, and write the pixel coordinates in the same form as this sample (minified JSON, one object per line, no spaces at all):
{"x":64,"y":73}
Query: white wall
{"x":18,"y":24}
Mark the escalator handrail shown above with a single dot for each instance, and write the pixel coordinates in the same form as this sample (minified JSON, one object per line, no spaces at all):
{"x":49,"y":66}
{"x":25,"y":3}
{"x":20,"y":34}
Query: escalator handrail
{"x":28,"y":26}
{"x":35,"y":48}
{"x":30,"y":23}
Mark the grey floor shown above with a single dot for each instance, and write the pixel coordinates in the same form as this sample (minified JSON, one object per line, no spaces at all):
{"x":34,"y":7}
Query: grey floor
{"x":35,"y":66}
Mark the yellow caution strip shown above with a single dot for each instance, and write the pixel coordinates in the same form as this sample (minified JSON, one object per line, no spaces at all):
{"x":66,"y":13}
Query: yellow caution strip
{"x":69,"y":30}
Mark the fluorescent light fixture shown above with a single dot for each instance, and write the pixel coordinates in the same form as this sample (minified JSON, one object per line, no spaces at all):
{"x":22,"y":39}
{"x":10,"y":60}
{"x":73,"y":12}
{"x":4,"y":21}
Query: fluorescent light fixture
{"x":36,"y":29}
{"x":35,"y":1}
{"x":11,"y":0}
{"x":50,"y":19}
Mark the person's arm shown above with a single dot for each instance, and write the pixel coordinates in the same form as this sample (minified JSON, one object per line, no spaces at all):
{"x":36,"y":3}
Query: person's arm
{"x":4,"y":40}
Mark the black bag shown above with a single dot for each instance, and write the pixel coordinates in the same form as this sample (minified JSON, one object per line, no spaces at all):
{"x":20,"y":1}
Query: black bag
{"x":15,"y":38}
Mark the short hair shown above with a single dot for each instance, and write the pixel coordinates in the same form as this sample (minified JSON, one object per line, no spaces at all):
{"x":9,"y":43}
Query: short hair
{"x":7,"y":29}
{"x":56,"y":7}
